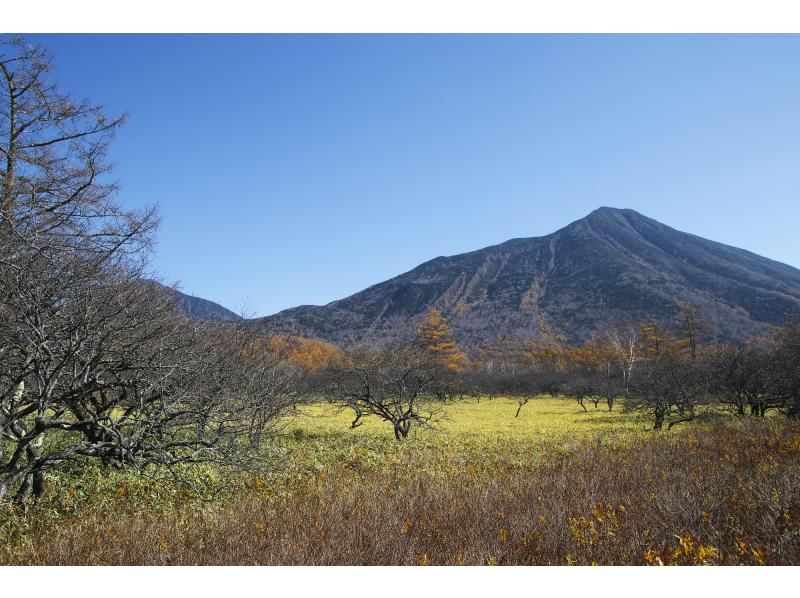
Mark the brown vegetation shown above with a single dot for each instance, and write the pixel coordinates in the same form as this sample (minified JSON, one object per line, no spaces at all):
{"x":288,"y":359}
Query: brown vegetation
{"x":310,"y":354}
{"x":727,"y":497}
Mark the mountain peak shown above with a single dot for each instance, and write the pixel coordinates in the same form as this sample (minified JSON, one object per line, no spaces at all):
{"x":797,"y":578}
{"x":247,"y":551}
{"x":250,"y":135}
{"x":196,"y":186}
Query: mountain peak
{"x":613,"y":264}
{"x":606,"y":211}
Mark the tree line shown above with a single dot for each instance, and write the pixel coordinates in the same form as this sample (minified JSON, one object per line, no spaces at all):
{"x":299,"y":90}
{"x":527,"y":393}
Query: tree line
{"x":673,"y":373}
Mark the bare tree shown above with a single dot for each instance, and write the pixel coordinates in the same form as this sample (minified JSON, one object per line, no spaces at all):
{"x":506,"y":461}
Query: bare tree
{"x":626,"y":346}
{"x":608,"y":388}
{"x":693,"y":326}
{"x":584,"y":384}
{"x":738,"y":376}
{"x":783,"y":378}
{"x":526,"y":386}
{"x":392,"y":384}
{"x":579,"y":386}
{"x":668,"y":388}
{"x":522,"y":387}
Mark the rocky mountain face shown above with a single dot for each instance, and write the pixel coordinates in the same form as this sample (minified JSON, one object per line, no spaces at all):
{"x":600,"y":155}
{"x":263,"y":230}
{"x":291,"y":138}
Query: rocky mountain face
{"x":613,"y":265}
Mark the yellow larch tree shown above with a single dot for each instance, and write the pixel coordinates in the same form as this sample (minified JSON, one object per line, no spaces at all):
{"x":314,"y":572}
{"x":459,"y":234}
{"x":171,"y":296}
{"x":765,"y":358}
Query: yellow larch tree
{"x":436,"y":336}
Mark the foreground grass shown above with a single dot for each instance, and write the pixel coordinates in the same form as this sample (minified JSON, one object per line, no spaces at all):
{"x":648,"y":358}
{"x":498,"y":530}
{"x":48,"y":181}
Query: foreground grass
{"x":554,"y":486}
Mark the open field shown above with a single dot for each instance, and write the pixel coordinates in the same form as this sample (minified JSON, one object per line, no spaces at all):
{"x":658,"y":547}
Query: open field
{"x":553,"y":486}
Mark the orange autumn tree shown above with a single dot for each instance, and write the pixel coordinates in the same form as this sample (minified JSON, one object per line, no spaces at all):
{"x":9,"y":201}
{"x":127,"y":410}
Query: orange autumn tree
{"x":309,"y":354}
{"x":435,"y":335}
{"x":312,"y":355}
{"x":595,"y":355}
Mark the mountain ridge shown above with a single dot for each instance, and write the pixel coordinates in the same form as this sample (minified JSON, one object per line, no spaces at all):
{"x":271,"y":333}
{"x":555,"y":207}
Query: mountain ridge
{"x":198,"y":308}
{"x":613,"y":264}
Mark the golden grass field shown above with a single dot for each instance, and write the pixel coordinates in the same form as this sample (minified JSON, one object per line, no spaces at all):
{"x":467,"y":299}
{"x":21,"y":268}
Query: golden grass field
{"x":471,"y":433}
{"x":489,"y":418}
{"x":555,"y":485}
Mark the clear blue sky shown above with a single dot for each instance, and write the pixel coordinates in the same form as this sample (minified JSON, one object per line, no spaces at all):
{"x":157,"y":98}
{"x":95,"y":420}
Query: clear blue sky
{"x":300,"y":169}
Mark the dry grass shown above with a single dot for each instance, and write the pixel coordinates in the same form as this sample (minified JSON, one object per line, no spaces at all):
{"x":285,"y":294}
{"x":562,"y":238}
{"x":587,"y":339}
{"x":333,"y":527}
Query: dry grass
{"x":723,"y":495}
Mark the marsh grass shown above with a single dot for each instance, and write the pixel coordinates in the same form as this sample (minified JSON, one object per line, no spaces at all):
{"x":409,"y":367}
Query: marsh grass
{"x":554,"y":486}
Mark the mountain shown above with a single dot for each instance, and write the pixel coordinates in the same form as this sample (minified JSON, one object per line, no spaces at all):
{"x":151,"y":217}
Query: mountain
{"x":612,"y":265}
{"x":198,"y":308}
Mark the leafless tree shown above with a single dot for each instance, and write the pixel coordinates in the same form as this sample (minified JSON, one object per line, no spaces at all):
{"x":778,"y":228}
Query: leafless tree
{"x":95,"y":361}
{"x":693,"y":326}
{"x":783,"y":377}
{"x":668,"y":388}
{"x":592,"y":385}
{"x":738,"y":376}
{"x":579,"y":387}
{"x":608,"y":388}
{"x":393,"y":384}
{"x":526,"y":386}
{"x":626,"y":344}
{"x":522,"y":387}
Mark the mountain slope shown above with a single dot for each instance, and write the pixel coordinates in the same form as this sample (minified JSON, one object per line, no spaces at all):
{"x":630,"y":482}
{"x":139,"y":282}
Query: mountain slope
{"x":611,"y":265}
{"x":198,"y":308}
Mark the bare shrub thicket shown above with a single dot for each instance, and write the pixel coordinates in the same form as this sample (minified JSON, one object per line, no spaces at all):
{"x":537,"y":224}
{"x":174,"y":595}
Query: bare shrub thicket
{"x":739,"y":377}
{"x":95,"y":361}
{"x":784,"y":369}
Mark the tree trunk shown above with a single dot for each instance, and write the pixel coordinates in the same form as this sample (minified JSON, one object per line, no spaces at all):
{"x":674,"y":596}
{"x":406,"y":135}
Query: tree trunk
{"x":401,"y":430}
{"x":659,"y":421}
{"x":678,"y":421}
{"x":794,"y":409}
{"x":39,"y":486}
{"x":24,"y":490}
